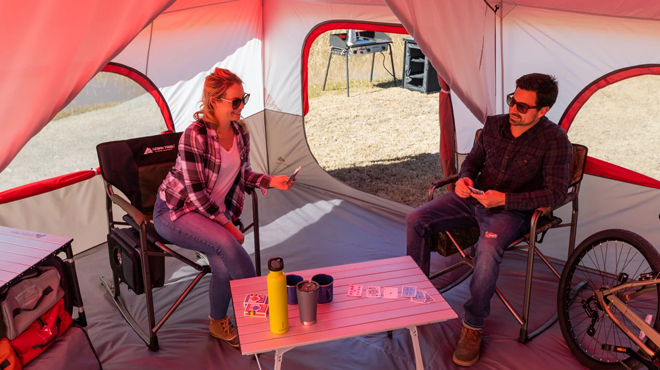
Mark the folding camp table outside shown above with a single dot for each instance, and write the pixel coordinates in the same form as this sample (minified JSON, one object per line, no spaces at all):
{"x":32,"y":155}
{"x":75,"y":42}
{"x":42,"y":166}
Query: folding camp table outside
{"x":345,"y":316}
{"x":22,"y":251}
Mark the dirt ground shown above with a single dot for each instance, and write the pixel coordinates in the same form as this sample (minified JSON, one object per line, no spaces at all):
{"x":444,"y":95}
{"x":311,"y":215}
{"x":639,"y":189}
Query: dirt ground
{"x":382,"y":139}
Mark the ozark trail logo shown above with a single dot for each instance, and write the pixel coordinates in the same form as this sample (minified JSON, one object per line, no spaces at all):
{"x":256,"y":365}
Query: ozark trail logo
{"x":39,"y":235}
{"x":158,"y":149}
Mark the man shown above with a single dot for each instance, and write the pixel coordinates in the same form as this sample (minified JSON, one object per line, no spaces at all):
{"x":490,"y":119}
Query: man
{"x":520,"y":161}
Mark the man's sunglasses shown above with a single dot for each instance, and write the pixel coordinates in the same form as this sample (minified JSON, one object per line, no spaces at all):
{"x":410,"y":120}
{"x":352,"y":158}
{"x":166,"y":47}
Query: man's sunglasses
{"x":521,"y":107}
{"x":237,"y":102}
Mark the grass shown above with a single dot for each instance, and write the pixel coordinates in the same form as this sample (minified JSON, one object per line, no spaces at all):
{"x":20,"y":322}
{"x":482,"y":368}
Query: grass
{"x":80,"y":110}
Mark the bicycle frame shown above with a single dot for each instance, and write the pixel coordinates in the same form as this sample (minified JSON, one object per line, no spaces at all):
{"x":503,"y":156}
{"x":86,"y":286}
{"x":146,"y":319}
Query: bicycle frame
{"x":608,"y":295}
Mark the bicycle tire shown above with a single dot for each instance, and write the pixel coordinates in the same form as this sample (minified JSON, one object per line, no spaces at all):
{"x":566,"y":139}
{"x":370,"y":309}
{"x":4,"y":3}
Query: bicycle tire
{"x":585,"y":264}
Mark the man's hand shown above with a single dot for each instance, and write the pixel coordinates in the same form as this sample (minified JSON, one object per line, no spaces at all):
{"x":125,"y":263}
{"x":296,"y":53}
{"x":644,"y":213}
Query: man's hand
{"x":279,"y":182}
{"x":462,"y":187}
{"x":490,"y":199}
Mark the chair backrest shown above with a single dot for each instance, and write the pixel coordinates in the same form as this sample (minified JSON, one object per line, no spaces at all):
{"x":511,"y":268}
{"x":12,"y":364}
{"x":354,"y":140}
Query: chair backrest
{"x":576,"y":168}
{"x":138,"y":166}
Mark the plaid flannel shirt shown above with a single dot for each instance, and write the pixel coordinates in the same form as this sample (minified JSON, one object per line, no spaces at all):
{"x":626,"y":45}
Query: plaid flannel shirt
{"x":189,"y":184}
{"x":532,"y":169}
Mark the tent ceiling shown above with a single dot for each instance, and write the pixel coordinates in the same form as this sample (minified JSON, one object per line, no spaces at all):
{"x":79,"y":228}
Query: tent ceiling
{"x":643,"y":9}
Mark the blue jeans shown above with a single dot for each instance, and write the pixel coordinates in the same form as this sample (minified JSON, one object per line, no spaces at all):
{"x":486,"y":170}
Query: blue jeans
{"x":227,"y":258}
{"x":498,"y":230}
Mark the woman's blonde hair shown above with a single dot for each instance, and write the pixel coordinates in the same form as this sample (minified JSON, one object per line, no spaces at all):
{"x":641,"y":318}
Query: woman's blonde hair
{"x":215,"y":86}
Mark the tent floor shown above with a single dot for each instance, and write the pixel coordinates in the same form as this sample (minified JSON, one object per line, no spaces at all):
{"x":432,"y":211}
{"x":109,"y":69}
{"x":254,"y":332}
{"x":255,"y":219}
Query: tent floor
{"x":185,"y":342}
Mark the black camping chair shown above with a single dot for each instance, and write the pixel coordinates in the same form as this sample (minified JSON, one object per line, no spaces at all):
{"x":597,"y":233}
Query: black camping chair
{"x":137,"y":167}
{"x":456,"y":241}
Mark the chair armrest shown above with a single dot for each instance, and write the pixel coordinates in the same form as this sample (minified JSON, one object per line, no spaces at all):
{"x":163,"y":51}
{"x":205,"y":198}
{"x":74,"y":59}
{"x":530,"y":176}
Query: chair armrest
{"x":442,"y":182}
{"x":445,"y":181}
{"x":138,"y":216}
{"x":544,"y":211}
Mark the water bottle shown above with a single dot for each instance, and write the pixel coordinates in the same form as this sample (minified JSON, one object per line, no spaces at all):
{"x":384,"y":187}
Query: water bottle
{"x":277,"y":304}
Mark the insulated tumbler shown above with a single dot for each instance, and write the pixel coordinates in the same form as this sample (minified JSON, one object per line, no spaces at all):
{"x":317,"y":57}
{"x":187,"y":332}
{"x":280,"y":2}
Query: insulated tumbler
{"x":308,"y":295}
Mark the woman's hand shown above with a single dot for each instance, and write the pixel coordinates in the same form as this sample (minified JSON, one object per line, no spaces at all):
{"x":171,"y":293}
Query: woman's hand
{"x":279,"y":182}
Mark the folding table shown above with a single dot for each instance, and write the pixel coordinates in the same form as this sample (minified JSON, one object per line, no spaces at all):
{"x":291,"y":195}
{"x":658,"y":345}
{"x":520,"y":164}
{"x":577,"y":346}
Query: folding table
{"x":22,"y":251}
{"x":345,"y":316}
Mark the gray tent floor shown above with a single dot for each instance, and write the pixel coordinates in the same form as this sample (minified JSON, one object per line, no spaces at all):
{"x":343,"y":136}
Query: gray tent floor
{"x":329,"y":232}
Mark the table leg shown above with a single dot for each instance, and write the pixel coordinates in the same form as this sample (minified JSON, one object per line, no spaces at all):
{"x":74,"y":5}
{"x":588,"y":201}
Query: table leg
{"x":327,"y":69}
{"x":82,"y":318}
{"x":419,"y":363}
{"x":392,"y":60}
{"x":278,"y":357}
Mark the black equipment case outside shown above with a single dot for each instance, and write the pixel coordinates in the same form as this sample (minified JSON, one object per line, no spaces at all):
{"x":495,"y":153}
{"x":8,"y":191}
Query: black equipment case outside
{"x":124,"y":250}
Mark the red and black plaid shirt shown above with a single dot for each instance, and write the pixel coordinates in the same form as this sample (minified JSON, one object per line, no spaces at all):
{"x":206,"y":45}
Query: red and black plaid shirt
{"x":532,"y":169}
{"x":189,"y":184}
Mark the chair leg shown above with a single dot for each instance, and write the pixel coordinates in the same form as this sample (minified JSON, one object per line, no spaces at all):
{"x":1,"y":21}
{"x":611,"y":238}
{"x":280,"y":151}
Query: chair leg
{"x":327,"y":69}
{"x":146,"y":280}
{"x":255,"y":223}
{"x":528,"y":281}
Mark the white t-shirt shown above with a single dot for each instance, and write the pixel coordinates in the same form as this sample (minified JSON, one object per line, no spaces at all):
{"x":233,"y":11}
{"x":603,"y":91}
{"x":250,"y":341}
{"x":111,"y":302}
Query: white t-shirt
{"x":230,"y":163}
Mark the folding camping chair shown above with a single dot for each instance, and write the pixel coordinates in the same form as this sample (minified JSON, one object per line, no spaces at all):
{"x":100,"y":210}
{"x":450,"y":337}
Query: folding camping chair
{"x":456,"y":241}
{"x":137,"y":167}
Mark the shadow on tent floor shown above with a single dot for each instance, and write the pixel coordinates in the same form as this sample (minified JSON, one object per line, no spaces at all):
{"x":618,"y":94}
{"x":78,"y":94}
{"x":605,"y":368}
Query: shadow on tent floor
{"x":186,"y":344}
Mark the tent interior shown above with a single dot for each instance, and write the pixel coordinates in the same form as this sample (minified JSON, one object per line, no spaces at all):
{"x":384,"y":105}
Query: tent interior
{"x":167,"y":47}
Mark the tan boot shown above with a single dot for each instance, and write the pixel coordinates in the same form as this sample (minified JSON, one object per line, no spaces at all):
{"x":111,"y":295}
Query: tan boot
{"x":467,"y":349}
{"x":225,"y":330}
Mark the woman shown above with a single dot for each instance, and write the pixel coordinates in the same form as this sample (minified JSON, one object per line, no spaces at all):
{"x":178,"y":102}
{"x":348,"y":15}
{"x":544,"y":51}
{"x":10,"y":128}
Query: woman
{"x":204,"y":192}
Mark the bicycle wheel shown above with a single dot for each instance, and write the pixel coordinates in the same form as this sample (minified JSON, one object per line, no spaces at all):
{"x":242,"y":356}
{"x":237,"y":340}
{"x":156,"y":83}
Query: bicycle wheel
{"x":597,"y":263}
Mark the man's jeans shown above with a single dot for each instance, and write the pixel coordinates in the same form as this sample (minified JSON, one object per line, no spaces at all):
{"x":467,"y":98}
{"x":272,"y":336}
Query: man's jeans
{"x":227,"y":258}
{"x":498,"y":230}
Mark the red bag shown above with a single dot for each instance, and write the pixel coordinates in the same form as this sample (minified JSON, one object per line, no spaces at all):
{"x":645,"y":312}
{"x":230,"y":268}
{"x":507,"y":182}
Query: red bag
{"x":8,"y":359}
{"x":42,"y":333}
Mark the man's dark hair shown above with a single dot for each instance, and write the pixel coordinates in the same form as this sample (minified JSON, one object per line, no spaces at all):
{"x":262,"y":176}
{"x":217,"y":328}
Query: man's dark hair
{"x":545,"y":87}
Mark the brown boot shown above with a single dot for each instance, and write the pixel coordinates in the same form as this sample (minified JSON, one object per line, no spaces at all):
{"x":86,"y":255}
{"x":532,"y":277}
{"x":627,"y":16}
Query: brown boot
{"x":224,"y":329}
{"x":467,"y":349}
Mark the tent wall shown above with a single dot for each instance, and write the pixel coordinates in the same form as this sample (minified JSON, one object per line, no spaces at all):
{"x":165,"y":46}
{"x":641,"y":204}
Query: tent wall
{"x":608,"y":204}
{"x":479,"y":53}
{"x":76,"y":211}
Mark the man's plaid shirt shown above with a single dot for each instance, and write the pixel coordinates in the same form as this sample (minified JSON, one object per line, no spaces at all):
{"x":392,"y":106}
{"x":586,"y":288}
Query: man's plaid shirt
{"x":532,"y":169}
{"x":190,"y":182}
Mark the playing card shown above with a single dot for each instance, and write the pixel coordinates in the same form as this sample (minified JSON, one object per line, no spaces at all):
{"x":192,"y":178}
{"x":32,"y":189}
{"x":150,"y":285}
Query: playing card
{"x":257,"y":309}
{"x":476,"y":191}
{"x":373,"y":291}
{"x":408,"y":291}
{"x":255,"y":299}
{"x":419,"y":297}
{"x":391,"y":293}
{"x":354,"y":291}
{"x":428,"y":298}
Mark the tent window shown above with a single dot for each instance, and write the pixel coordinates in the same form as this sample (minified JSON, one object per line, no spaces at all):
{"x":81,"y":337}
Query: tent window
{"x":110,"y":107}
{"x":383,"y":139}
{"x":618,"y":124}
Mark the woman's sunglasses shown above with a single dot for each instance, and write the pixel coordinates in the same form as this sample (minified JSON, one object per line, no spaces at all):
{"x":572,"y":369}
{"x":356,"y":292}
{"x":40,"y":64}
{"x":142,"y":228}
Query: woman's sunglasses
{"x":237,"y":102}
{"x":521,"y":107}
